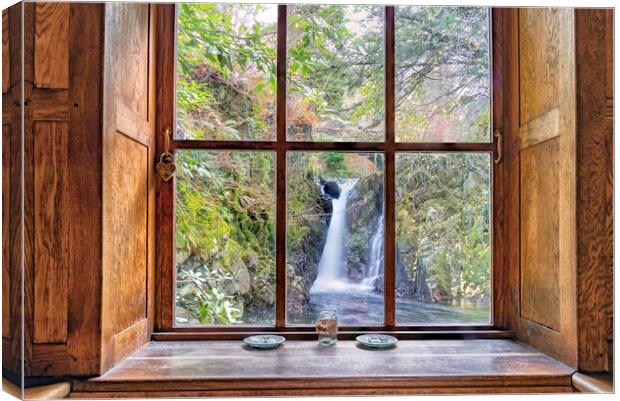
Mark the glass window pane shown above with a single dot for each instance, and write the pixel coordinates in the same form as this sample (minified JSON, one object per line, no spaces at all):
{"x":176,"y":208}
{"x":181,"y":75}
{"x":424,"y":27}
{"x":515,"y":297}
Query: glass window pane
{"x":225,"y":238}
{"x":226,"y":71}
{"x":443,"y":266}
{"x":335,"y":236}
{"x":442,"y":74}
{"x":335,"y":73}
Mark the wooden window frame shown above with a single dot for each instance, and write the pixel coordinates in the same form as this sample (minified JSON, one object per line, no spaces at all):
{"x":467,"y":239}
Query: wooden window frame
{"x":165,"y":260}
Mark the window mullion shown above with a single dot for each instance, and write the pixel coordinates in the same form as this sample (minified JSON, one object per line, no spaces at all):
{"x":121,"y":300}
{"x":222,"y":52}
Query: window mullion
{"x":390,"y":231}
{"x":281,"y":172}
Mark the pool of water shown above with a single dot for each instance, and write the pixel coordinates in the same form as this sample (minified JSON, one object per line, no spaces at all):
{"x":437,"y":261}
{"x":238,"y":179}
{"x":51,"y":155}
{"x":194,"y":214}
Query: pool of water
{"x":361,"y":308}
{"x":365,"y":308}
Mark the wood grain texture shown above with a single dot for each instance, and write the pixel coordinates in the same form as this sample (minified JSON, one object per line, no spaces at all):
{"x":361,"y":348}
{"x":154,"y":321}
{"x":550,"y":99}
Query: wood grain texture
{"x":377,"y":391}
{"x":349,"y":335}
{"x":51,"y":50}
{"x":594,"y":188}
{"x":499,"y":273}
{"x":28,"y":172}
{"x":609,"y":58}
{"x":151,"y":178}
{"x":540,"y":234}
{"x":410,"y":367}
{"x":11,"y":341}
{"x":62,"y":159}
{"x":6,"y":224}
{"x":281,"y":276}
{"x":62,"y":142}
{"x":546,"y":80}
{"x":567,"y":346}
{"x":6,"y":53}
{"x":133,"y":125}
{"x":49,"y":360}
{"x":128,"y":23}
{"x":542,"y":128}
{"x":84,"y":189}
{"x":164,"y":98}
{"x":539,"y":34}
{"x":126,"y":340}
{"x":389,"y":277}
{"x":51,"y":228}
{"x":127,"y":167}
{"x":50,"y":104}
{"x":125,"y":214}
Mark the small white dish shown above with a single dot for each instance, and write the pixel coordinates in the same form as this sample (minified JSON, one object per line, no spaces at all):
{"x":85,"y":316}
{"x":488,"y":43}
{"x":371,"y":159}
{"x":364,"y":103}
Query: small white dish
{"x":264,"y":341}
{"x":376,"y":340}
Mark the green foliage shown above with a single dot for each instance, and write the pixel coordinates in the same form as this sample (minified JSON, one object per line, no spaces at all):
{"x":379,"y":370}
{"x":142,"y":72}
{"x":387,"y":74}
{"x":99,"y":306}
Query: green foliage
{"x":335,"y":164}
{"x":442,"y":74}
{"x":443,"y":218}
{"x":225,"y":57}
{"x":225,"y":222}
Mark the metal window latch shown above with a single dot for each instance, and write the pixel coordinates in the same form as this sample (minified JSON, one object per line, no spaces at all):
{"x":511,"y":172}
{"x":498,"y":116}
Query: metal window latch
{"x":165,"y":167}
{"x":500,"y":146}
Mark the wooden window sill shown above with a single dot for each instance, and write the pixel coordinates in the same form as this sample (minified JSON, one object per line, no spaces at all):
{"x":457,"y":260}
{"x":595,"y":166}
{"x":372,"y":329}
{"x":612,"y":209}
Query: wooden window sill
{"x":226,"y":368}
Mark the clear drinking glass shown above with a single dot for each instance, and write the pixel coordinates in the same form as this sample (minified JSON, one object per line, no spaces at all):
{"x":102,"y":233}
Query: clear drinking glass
{"x":327,"y":328}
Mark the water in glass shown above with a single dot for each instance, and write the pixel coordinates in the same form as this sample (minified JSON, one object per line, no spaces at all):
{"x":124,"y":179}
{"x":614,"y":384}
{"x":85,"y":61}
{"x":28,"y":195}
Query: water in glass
{"x":327,"y":328}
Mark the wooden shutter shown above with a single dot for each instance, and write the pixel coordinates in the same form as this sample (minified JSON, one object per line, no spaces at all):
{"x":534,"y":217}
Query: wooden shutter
{"x":88,"y":185}
{"x":542,"y":166}
{"x":128,"y":180}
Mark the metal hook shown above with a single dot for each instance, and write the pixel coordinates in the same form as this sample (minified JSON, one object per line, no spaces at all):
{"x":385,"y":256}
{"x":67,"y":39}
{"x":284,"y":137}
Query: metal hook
{"x":167,"y":133}
{"x":500,"y":145}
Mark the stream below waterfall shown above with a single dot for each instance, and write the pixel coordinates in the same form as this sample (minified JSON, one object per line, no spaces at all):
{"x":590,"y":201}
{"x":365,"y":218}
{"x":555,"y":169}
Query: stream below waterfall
{"x":358,"y":308}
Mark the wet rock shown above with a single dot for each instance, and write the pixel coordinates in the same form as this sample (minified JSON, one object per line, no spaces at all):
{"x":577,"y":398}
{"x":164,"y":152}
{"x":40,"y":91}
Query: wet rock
{"x":296,"y":292}
{"x":422,"y":291}
{"x":356,"y":272}
{"x":437,"y":298}
{"x":331,"y":188}
{"x":405,"y":286}
{"x":251,"y":261}
{"x":263,"y":292}
{"x":241,"y":281}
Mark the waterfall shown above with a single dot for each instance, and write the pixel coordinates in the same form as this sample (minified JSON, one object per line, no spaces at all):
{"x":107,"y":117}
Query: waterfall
{"x":332,"y":273}
{"x":375,"y":264}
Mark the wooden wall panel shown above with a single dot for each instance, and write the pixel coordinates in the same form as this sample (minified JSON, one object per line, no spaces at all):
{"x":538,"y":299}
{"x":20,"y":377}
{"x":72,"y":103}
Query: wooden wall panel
{"x":539,"y":56}
{"x":51,"y":50}
{"x":5,"y":51}
{"x":540,"y":253}
{"x":594,"y":33}
{"x":51,"y":229}
{"x":6,"y":222}
{"x":131,"y":38}
{"x":6,"y":170}
{"x":125,"y":211}
{"x":61,"y":267}
{"x":28,"y":172}
{"x":84,"y":190}
{"x":11,"y":101}
{"x":151,"y":177}
{"x":164,"y":89}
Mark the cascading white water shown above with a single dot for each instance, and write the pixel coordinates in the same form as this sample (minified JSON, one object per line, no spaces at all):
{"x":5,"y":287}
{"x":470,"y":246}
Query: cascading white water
{"x":332,"y":274}
{"x":375,"y":264}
